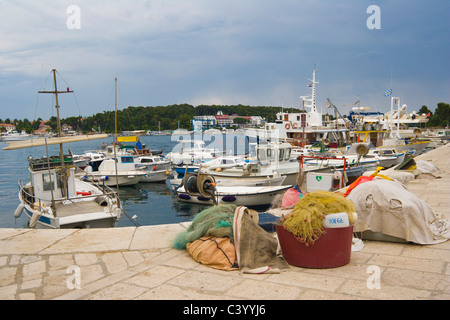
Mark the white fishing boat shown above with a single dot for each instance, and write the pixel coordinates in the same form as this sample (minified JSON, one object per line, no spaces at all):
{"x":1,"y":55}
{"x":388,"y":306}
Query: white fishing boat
{"x":393,"y":130}
{"x":241,"y":182}
{"x":225,"y":162}
{"x":13,"y":135}
{"x":272,"y":160}
{"x":112,"y":173}
{"x":129,"y":145}
{"x":305,"y":126}
{"x":95,"y":158}
{"x":246,"y":196}
{"x":217,"y":164}
{"x":54,"y":198}
{"x":388,"y":157}
{"x":192,"y":152}
{"x":156,"y":168}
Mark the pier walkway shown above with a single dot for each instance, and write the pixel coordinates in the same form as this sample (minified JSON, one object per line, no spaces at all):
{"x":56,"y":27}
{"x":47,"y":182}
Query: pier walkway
{"x":138,"y":263}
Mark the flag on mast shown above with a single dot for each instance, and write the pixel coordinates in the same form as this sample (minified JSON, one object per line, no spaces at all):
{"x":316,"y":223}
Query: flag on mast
{"x":388,"y":93}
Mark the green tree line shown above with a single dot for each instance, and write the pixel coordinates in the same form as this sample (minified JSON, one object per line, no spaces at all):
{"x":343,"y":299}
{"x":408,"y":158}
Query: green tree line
{"x":168,"y":117}
{"x":180,"y":115}
{"x":441,"y":116}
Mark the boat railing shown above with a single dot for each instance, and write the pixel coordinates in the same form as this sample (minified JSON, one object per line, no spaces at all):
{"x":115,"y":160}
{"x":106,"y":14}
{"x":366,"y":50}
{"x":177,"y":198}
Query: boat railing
{"x":40,"y":203}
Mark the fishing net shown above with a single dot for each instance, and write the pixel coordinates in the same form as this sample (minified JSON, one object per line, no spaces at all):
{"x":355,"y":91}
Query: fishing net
{"x":305,"y":221}
{"x":215,"y":221}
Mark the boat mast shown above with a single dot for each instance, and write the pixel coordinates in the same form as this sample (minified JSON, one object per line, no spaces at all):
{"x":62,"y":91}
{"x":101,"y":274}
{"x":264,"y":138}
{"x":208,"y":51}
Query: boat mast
{"x":58,"y":122}
{"x":115,"y":145}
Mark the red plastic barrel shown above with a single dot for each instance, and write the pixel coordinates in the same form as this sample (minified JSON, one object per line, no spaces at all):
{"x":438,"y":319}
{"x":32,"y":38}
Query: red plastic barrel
{"x":331,"y":250}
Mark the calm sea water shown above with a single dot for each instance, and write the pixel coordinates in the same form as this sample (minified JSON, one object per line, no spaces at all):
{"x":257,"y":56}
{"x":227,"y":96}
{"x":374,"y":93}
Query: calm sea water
{"x":153,"y":203}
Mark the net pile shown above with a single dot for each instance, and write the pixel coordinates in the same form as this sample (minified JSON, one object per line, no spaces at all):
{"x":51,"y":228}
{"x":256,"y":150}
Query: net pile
{"x":215,"y":221}
{"x":305,"y":221}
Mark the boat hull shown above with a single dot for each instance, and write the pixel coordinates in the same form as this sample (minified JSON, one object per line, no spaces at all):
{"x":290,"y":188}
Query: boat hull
{"x":254,"y":196}
{"x":240,"y":182}
{"x":82,"y":222}
{"x":155,"y":176}
{"x":414,"y":148}
{"x":110,"y":179}
{"x":92,"y":211}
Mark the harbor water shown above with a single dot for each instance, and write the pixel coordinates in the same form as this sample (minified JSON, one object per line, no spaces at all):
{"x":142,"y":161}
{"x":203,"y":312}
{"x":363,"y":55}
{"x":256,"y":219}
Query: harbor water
{"x":152,"y":203}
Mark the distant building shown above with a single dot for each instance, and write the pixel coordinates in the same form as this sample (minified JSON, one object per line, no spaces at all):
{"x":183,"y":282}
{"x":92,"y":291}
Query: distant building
{"x":43,"y":130}
{"x":203,"y":122}
{"x":7,"y":126}
{"x":223,"y":120}
{"x":228,"y":120}
{"x":220,"y":120}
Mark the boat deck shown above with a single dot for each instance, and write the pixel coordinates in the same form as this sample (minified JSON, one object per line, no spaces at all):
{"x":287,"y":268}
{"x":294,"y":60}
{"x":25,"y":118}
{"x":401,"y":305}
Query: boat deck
{"x":79,"y":207}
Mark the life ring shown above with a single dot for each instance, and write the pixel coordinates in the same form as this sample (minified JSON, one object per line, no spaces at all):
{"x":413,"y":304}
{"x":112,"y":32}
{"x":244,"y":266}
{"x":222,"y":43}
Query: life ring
{"x":294,"y":126}
{"x":287,"y":125}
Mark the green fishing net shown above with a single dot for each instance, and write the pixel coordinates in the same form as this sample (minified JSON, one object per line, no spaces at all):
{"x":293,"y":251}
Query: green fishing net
{"x":305,"y":220}
{"x":214,"y":221}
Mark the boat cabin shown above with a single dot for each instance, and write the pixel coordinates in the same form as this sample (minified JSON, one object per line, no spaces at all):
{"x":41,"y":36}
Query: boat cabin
{"x":274,"y":153}
{"x":124,"y":163}
{"x":47,"y":178}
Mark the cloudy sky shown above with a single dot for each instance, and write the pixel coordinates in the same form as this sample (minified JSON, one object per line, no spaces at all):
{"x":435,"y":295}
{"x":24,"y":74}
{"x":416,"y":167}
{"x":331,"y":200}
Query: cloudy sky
{"x":253,"y":52}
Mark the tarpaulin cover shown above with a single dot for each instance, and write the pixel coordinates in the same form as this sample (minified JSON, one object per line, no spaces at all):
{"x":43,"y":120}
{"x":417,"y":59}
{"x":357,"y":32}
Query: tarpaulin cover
{"x":386,"y":206}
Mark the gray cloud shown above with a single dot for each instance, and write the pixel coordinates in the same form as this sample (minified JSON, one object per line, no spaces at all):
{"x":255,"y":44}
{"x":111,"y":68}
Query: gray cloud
{"x":196,"y":51}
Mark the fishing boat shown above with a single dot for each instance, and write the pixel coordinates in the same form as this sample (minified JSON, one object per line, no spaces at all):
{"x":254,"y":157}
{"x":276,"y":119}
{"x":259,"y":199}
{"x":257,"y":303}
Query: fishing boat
{"x":216,"y":164}
{"x":388,"y":157}
{"x":112,"y":172}
{"x":191,"y":152}
{"x":54,"y":198}
{"x":156,"y":168}
{"x":95,"y":158}
{"x":246,"y":196}
{"x":272,"y":160}
{"x":305,"y":126}
{"x":13,"y":135}
{"x":130,"y":145}
{"x":241,"y":182}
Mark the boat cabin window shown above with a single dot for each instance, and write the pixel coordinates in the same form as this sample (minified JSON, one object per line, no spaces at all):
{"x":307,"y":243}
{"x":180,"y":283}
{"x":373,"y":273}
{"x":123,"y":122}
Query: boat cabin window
{"x":281,"y":154}
{"x":48,"y":182}
{"x":146,"y":160}
{"x":287,"y":154}
{"x":127,"y":159}
{"x":270,"y":155}
{"x":262,"y":155}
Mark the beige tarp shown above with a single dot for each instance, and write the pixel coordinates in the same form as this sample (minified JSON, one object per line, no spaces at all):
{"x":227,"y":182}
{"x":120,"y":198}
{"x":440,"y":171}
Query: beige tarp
{"x":388,"y":207}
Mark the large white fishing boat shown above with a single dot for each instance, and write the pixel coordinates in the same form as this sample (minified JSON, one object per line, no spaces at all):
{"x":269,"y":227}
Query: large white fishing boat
{"x":395,"y":129}
{"x":54,"y":198}
{"x":273,"y":160}
{"x":305,"y":126}
{"x":13,"y":135}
